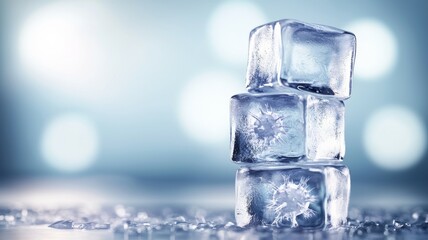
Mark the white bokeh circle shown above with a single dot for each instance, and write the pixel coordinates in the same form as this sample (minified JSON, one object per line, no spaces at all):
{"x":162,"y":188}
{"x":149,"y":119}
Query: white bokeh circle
{"x":77,"y":49}
{"x":377,"y":48}
{"x":229,"y":29}
{"x":58,"y":45}
{"x":395,"y":138}
{"x":204,"y":106}
{"x":70,"y":143}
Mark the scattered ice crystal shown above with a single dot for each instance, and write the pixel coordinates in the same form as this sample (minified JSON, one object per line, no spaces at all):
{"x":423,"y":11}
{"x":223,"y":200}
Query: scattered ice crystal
{"x":398,"y":223}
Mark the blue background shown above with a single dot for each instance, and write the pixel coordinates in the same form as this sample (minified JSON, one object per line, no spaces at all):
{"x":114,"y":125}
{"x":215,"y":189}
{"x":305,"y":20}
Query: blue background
{"x":154,"y":49}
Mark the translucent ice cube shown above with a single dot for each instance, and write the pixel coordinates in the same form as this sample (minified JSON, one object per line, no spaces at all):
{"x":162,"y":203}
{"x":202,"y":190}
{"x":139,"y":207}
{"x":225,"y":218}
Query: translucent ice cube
{"x":308,"y":57}
{"x":286,"y":128}
{"x":304,"y":197}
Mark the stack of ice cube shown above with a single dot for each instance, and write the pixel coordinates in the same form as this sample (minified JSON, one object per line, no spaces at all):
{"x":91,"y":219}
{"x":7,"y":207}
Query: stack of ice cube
{"x":288,"y":131}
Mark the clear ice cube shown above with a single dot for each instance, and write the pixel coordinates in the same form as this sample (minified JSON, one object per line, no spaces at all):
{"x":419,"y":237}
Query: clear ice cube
{"x":286,"y":128}
{"x":303,"y":197}
{"x":308,"y":57}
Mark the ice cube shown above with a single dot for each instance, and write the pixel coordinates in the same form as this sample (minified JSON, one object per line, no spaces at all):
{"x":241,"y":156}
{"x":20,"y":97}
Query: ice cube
{"x":308,"y":57}
{"x":325,"y":125}
{"x":299,"y":196}
{"x":286,"y":128}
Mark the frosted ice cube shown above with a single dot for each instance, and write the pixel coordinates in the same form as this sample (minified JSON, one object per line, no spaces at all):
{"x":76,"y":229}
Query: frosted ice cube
{"x":286,"y":128}
{"x":308,"y":57}
{"x":304,"y":197}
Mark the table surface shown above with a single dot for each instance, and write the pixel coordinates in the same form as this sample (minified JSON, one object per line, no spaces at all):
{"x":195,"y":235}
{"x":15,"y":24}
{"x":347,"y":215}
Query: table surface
{"x":184,"y":222}
{"x":87,"y":208}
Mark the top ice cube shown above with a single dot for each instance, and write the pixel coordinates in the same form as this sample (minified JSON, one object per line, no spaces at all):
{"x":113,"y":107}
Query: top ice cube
{"x":309,"y":57}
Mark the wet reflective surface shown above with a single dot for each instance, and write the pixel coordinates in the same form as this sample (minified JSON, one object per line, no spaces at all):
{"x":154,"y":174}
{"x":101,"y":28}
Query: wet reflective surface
{"x":131,"y":222}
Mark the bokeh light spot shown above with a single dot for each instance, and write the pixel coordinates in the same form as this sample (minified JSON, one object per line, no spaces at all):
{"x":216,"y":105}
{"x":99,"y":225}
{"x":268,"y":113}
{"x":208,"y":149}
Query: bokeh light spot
{"x":57,"y":45}
{"x":76,"y":49}
{"x":376,"y":48}
{"x":70,"y":143}
{"x":394,"y":138}
{"x":204,"y":106}
{"x":229,"y":29}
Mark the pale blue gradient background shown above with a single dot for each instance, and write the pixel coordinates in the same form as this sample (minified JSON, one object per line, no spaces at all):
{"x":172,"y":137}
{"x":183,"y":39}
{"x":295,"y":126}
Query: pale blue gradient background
{"x":139,"y":129}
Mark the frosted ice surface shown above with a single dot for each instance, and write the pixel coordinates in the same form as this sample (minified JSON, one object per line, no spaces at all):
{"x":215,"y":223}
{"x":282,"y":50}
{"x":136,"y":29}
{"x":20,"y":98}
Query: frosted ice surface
{"x":286,"y":128}
{"x":304,"y":197}
{"x":308,"y":57}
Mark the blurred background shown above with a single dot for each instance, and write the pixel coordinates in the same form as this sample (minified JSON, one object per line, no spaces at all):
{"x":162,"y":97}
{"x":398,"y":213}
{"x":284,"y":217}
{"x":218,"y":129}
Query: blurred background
{"x":128,"y":100}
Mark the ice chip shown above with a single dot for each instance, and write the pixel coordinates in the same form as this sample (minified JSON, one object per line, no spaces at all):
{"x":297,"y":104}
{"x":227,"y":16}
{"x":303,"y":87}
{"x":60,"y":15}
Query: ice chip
{"x":286,"y":128}
{"x":62,"y":224}
{"x":309,"y":57}
{"x":303,"y":197}
{"x":69,"y":224}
